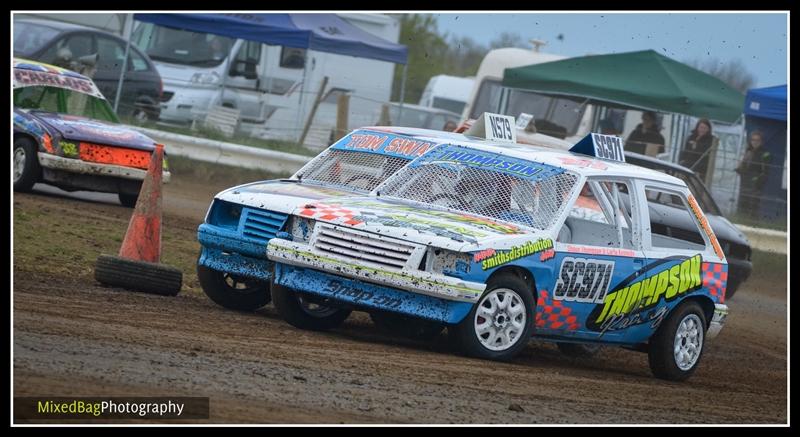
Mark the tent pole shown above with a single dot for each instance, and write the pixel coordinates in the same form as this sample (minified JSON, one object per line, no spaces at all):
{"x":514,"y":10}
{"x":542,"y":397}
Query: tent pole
{"x":403,"y":89}
{"x":302,"y":92}
{"x":128,"y":31}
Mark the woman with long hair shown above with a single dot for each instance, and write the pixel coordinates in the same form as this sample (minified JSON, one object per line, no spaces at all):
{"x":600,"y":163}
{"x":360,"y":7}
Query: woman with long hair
{"x":697,"y":148}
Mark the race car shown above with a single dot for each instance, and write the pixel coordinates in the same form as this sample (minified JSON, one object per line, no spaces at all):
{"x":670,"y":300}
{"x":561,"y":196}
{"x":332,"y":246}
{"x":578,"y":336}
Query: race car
{"x":67,"y":135}
{"x":499,"y":242}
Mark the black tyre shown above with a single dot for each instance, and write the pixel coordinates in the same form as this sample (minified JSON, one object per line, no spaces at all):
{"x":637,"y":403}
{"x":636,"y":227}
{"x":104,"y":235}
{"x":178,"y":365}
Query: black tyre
{"x":138,"y":275}
{"x":26,"y":164}
{"x":578,"y":350}
{"x":408,"y":327}
{"x":305,"y":312}
{"x":677,"y":346}
{"x":128,"y":200}
{"x":233,"y":291}
{"x":500,"y":324}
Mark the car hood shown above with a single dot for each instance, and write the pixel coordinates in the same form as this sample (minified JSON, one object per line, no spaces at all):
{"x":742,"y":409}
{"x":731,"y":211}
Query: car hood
{"x":417,"y":224}
{"x":282,"y":195}
{"x":94,"y":131}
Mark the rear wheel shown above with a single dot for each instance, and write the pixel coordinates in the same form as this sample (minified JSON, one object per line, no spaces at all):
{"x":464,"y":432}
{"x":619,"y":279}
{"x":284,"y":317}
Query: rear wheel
{"x":677,"y":346}
{"x":231,"y":291}
{"x":306,"y":312}
{"x":26,"y":164}
{"x":500,"y":325}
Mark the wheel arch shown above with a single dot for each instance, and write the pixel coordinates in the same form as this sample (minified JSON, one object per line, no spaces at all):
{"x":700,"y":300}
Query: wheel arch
{"x":520,"y":272}
{"x":705,"y":303}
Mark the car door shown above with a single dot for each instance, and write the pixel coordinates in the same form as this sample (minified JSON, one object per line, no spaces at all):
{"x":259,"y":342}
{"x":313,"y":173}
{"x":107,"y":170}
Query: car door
{"x":243,"y":81}
{"x":597,"y":248}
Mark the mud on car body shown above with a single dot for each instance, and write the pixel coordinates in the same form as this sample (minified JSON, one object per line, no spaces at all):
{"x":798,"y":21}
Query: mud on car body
{"x":67,"y":135}
{"x":233,"y":267}
{"x":501,"y":242}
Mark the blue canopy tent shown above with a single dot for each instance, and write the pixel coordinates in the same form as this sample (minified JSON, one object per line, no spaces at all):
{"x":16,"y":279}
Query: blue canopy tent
{"x":321,"y":32}
{"x":765,"y":111}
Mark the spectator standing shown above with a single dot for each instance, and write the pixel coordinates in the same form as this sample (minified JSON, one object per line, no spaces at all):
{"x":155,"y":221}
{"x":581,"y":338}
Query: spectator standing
{"x":646,"y":133}
{"x":753,"y":170}
{"x":697,"y":148}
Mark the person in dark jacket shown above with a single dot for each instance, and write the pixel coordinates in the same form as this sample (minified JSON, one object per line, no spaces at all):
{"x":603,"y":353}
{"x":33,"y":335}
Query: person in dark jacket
{"x":645,"y":133}
{"x":697,"y":148}
{"x":753,"y":170}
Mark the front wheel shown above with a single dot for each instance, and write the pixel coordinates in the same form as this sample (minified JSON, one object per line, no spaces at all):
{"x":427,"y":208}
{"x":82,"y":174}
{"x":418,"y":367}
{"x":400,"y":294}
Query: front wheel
{"x":232,"y":291}
{"x":677,"y":346}
{"x":306,"y":312}
{"x":500,"y":324}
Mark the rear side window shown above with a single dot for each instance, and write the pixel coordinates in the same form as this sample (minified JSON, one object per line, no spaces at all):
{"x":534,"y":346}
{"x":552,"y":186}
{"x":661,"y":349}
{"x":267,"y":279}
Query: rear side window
{"x":672,"y":225}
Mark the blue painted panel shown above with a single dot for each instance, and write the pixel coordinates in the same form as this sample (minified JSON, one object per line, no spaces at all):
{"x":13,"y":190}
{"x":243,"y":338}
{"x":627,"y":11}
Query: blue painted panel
{"x":236,"y":263}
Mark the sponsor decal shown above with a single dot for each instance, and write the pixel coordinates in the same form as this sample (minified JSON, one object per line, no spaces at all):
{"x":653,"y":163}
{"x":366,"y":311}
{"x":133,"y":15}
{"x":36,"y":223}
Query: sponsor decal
{"x":483,"y":254}
{"x":492,"y":162}
{"x":23,"y":77}
{"x":448,"y":155}
{"x":583,"y":280}
{"x":547,"y":255}
{"x":609,"y":251}
{"x":337,"y":289}
{"x":70,"y":149}
{"x":704,"y":224}
{"x":634,"y":300}
{"x":516,"y":252}
{"x":583,"y":163}
{"x":385,"y":144}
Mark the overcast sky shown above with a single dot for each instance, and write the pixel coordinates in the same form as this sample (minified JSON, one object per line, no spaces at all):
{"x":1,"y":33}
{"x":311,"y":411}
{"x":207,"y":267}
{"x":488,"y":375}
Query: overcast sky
{"x":759,"y":40}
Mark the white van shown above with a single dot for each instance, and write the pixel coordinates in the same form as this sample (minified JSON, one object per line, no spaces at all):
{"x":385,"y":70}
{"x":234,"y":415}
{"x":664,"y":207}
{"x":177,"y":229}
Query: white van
{"x":265,"y":82}
{"x":447,"y":92}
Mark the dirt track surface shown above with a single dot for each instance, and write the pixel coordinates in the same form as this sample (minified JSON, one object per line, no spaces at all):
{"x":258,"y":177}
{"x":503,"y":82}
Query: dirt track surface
{"x":73,"y":337}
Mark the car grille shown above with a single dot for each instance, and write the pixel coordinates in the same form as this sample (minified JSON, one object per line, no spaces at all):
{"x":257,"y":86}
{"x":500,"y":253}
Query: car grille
{"x":363,"y":246}
{"x":262,"y":225}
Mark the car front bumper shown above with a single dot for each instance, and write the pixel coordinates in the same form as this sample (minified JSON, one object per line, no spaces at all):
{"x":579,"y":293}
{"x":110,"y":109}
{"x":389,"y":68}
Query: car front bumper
{"x":73,"y":165}
{"x":435,"y":285}
{"x":226,"y":251}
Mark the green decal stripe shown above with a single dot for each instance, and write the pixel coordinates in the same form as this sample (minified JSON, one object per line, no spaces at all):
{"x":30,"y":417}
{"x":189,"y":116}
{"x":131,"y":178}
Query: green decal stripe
{"x":383,"y":272}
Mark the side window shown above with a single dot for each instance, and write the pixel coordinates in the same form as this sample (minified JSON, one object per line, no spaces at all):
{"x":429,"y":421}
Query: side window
{"x":601,"y":216}
{"x":292,"y":57}
{"x":73,"y":47}
{"x":136,"y":62}
{"x":249,"y":51}
{"x":111,"y":54}
{"x":672,"y":225}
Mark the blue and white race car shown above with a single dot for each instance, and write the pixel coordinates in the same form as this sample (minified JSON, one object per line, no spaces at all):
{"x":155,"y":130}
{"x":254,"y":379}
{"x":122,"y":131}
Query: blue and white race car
{"x":495,"y":241}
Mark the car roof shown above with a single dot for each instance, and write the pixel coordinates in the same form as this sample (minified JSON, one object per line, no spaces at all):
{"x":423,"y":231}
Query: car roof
{"x":658,"y":162}
{"x":27,"y":64}
{"x":544,"y":155}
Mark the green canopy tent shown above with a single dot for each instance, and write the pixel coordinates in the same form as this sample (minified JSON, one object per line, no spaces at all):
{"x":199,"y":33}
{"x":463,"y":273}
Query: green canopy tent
{"x":642,"y":80}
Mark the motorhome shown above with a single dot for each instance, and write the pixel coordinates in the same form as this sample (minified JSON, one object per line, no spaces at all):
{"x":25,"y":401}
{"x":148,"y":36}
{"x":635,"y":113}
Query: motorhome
{"x":273,"y":87}
{"x":447,"y":92}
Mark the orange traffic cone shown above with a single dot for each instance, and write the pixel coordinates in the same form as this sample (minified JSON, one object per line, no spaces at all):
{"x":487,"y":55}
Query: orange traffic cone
{"x":137,"y":267}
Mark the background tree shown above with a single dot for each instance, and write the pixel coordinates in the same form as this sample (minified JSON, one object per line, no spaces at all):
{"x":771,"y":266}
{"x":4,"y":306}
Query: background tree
{"x":733,"y":73}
